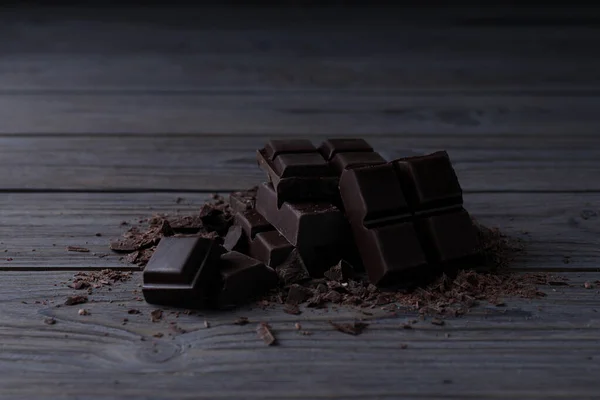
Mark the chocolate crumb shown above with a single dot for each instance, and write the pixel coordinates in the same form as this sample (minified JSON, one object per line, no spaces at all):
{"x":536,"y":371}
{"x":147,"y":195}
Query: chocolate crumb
{"x":297,"y":326}
{"x":241,"y":321}
{"x":438,"y":322}
{"x":587,"y":285}
{"x":73,"y":300}
{"x":297,"y":294}
{"x":78,"y":249}
{"x":340,"y":272}
{"x":133,"y":311}
{"x":50,"y":321}
{"x":156,"y":315}
{"x":403,"y":346}
{"x":83,"y":311}
{"x":264,"y":332}
{"x":355,"y":328}
{"x":206,"y":324}
{"x":292,"y":270}
{"x":158,"y":335}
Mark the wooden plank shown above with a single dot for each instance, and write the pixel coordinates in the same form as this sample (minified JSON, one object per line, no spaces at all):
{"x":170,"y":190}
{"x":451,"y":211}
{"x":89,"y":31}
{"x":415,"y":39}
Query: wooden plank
{"x":289,"y":49}
{"x":560,"y":230}
{"x":301,"y":112}
{"x":548,"y":348}
{"x":215,"y":162}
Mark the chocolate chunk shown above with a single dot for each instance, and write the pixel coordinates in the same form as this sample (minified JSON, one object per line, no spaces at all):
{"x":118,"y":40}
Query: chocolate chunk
{"x":406,"y":214}
{"x":258,"y":239}
{"x":297,"y":171}
{"x":186,"y":223}
{"x":298,"y":294}
{"x":235,"y":240}
{"x":348,"y":153}
{"x":305,"y":225}
{"x":293,"y":270}
{"x":243,"y":200}
{"x":340,"y":272}
{"x":215,"y":219}
{"x":183,"y":272}
{"x":243,"y":277}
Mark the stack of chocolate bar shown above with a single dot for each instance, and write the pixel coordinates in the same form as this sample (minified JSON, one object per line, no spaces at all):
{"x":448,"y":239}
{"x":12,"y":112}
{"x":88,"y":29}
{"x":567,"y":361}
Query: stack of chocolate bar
{"x":341,"y":201}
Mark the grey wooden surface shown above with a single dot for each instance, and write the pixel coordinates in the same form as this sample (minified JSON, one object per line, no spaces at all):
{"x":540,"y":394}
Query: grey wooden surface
{"x":111,"y":116}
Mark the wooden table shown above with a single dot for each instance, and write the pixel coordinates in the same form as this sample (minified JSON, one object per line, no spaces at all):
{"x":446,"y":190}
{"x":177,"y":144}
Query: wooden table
{"x":111,"y":115}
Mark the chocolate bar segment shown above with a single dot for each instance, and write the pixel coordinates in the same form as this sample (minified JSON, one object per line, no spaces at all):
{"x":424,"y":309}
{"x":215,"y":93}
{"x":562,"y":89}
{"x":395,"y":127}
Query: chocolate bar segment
{"x":381,"y":223}
{"x":182,"y":272}
{"x":253,"y":235}
{"x":243,"y":277}
{"x":304,"y":225}
{"x":406,"y":214}
{"x":297,"y":171}
{"x":349,"y":153}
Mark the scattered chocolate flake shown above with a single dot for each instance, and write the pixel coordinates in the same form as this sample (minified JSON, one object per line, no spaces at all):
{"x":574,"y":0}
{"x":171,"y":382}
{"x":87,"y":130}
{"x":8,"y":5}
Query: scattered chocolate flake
{"x":438,"y":322}
{"x":98,"y":234}
{"x":587,"y":285}
{"x":176,"y":328}
{"x":407,"y":326}
{"x":186,"y":223}
{"x":297,"y":326}
{"x":264,"y":332}
{"x":292,"y":309}
{"x":333,"y":296}
{"x":241,"y":321}
{"x":50,"y":321}
{"x":133,"y":311}
{"x":340,"y":272}
{"x":98,"y":279}
{"x":206,"y":324}
{"x":214,"y":218}
{"x":158,"y":335}
{"x":306,"y":333}
{"x":73,"y":300}
{"x":355,"y":328}
{"x":292,"y":270}
{"x":78,"y":249}
{"x":156,"y":315}
{"x":83,"y":311}
{"x":134,"y":240}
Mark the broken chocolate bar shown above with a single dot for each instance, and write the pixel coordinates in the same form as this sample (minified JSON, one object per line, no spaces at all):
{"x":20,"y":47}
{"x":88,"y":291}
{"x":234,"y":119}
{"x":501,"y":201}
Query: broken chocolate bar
{"x":253,"y":235}
{"x":349,"y":153}
{"x":297,"y":171}
{"x":243,"y":277}
{"x":183,"y":272}
{"x":305,"y":225}
{"x":406,"y":214}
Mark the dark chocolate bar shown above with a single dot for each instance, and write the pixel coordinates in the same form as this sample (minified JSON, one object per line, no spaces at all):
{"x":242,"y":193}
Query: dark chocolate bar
{"x":406,"y":214}
{"x":243,"y":277}
{"x":253,"y":235}
{"x":304,"y":225}
{"x":183,"y":272}
{"x":349,"y":153}
{"x":297,"y":171}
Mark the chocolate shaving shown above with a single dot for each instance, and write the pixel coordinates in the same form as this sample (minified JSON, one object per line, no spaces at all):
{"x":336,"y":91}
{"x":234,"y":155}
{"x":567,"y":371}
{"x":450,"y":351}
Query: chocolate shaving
{"x":355,"y":328}
{"x":241,"y":321}
{"x":340,"y":272}
{"x":297,"y":294}
{"x":78,"y":249}
{"x":156,"y":315}
{"x":264,"y":332}
{"x":292,"y":309}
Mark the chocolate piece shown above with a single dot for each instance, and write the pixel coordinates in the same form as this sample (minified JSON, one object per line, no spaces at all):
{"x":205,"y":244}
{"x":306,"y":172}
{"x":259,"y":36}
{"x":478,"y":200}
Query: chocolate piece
{"x":182,"y":272}
{"x":405,"y":214}
{"x":243,"y":277}
{"x":257,"y":238}
{"x":297,"y":171}
{"x":243,"y":200}
{"x":293,"y":269}
{"x":215,"y":219}
{"x":349,"y":153}
{"x":304,"y":225}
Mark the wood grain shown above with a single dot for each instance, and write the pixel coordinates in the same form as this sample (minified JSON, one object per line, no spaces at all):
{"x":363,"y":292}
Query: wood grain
{"x":303,"y":112}
{"x":214,"y":162}
{"x":221,"y":48}
{"x":547,"y":348}
{"x":560,"y":230}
